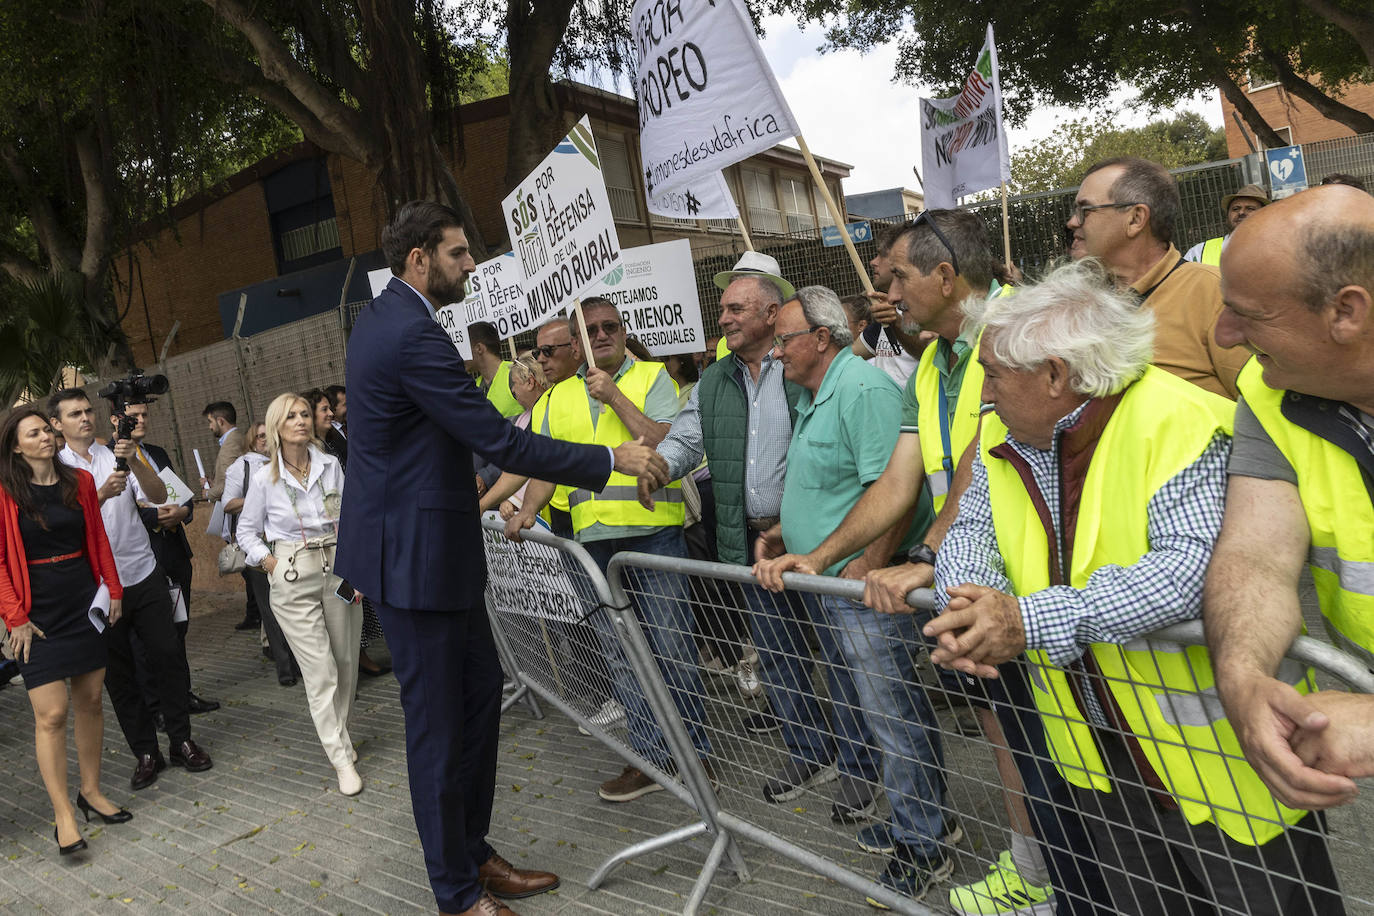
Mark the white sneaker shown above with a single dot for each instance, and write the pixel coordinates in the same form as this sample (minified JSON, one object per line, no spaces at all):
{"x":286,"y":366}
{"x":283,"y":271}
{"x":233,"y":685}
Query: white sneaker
{"x":609,"y":716}
{"x":747,"y":676}
{"x":350,"y":783}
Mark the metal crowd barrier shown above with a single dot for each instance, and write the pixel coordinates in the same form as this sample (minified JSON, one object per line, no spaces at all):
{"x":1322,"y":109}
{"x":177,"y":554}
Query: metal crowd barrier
{"x":843,"y":684}
{"x":558,"y":631}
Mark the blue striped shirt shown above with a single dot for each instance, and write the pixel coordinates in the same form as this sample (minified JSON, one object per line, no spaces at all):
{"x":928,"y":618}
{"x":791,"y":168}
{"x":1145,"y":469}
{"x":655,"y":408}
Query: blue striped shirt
{"x":1118,"y":603}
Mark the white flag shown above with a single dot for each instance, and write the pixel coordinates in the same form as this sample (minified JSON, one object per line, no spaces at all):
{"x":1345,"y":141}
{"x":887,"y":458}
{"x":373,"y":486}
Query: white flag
{"x":707,"y":97}
{"x":963,"y":143}
{"x":709,"y":198}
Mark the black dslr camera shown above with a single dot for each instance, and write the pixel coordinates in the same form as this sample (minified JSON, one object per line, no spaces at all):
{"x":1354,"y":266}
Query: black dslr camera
{"x":134,"y":388}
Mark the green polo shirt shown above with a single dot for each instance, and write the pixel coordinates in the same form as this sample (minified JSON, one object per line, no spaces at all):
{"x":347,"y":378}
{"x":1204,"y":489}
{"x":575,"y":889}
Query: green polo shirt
{"x":841,"y":443}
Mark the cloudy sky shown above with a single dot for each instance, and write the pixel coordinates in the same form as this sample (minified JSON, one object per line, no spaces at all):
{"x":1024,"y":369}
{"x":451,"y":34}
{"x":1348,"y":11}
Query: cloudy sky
{"x":849,"y":109}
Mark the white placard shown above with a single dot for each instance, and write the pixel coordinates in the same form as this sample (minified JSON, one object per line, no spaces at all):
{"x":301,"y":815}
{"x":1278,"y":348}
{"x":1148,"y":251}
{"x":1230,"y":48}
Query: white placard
{"x":200,"y":466}
{"x":562,"y":229}
{"x":99,"y":613}
{"x":378,"y":279}
{"x":709,"y":198}
{"x":529,"y":579}
{"x":499,"y":280}
{"x":177,"y":491}
{"x":707,"y":97}
{"x":655,"y":290}
{"x":963,"y":143}
{"x":450,"y":318}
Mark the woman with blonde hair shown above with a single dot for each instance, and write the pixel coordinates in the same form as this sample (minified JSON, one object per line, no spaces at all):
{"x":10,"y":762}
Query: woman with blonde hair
{"x":288,"y":526}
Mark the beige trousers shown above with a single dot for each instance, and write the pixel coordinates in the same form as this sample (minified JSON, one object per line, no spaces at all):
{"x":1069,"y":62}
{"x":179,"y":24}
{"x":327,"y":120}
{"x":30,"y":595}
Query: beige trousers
{"x":323,"y":631}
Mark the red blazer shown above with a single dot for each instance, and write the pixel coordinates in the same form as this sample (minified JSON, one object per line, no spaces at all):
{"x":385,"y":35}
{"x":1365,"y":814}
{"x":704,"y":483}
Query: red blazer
{"x":15,"y":599}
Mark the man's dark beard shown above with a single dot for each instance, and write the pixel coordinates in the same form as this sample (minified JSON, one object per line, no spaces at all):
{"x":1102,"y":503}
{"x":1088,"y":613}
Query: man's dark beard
{"x":445,"y":293}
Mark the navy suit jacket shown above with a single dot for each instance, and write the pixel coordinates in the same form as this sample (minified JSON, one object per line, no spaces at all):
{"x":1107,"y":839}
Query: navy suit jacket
{"x":409,"y":532}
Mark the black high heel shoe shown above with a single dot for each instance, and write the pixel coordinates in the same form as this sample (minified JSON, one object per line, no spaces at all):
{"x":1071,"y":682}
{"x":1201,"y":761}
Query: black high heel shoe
{"x":119,"y":817}
{"x":79,"y":845}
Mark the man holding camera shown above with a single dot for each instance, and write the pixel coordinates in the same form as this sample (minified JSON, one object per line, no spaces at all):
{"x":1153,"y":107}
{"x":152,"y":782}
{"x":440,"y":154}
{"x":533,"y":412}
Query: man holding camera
{"x":147,"y":603}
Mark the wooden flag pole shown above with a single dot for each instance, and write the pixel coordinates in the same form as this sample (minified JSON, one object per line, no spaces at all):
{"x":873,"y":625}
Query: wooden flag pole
{"x":748,"y":243}
{"x":835,"y":214}
{"x":1006,"y":229}
{"x":511,"y":341}
{"x":586,"y":340}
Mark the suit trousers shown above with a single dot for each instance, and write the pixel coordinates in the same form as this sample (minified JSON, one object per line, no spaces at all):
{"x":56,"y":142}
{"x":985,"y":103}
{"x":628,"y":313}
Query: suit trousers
{"x":148,"y":614}
{"x":322,"y":630}
{"x":450,"y":679}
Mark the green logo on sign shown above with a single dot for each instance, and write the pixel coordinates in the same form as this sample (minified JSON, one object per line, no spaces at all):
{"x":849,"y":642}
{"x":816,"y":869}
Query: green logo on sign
{"x":615,"y":276}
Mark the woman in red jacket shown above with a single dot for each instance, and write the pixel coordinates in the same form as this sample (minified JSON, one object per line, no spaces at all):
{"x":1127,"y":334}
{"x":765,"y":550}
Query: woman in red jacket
{"x":55,"y":566}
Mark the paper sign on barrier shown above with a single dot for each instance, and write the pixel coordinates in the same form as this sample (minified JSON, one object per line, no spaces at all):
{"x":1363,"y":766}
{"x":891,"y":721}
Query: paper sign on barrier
{"x":529,"y":579}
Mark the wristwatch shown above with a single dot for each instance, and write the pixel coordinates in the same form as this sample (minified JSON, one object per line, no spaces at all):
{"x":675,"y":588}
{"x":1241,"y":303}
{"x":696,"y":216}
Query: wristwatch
{"x":921,"y":553}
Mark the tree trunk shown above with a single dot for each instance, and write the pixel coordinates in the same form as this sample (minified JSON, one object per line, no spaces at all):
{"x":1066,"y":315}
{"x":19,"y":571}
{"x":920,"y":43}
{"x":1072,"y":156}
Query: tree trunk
{"x":534,"y":31}
{"x":1326,"y":106}
{"x":1268,"y":137}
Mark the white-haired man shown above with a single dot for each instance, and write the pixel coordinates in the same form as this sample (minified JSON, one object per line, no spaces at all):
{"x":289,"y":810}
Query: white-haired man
{"x":1096,"y":497}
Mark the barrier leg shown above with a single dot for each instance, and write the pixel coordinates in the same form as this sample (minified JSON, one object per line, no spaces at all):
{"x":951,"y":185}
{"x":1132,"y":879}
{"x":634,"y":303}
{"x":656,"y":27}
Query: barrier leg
{"x":653,"y":844}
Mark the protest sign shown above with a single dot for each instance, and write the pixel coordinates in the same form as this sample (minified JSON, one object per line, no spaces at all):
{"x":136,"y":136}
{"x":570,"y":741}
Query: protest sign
{"x":529,"y":579}
{"x":963,"y":143}
{"x":560,"y":223}
{"x":177,"y":490}
{"x":709,"y":198}
{"x":655,"y":291}
{"x":450,"y":318}
{"x":707,"y":97}
{"x":499,"y":280}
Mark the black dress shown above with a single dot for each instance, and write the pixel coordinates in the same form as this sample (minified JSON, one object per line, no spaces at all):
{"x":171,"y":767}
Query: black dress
{"x":62,"y":593}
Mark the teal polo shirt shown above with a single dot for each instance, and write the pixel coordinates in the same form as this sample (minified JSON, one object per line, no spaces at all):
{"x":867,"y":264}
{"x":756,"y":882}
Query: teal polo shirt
{"x":841,"y":443}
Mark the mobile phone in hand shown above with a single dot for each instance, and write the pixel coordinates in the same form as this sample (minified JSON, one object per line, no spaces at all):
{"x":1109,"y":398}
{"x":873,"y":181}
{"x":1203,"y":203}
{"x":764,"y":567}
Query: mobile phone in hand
{"x":346,"y":591}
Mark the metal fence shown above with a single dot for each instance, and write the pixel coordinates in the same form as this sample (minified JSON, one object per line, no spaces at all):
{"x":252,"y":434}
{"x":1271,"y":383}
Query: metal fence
{"x":858,"y":755}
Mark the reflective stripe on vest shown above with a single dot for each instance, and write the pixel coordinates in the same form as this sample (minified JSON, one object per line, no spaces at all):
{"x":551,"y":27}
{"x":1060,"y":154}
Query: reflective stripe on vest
{"x":617,"y":505}
{"x":1165,"y":693}
{"x":1339,"y":514}
{"x":943,"y":441}
{"x":1211,"y":251}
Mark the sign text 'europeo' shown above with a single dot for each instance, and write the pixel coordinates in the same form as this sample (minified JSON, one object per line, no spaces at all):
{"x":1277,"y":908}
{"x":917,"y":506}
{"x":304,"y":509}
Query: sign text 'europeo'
{"x":707,"y":97}
{"x":560,"y":223}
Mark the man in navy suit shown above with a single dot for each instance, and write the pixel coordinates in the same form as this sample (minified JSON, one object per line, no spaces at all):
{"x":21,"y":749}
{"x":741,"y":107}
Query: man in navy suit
{"x":410,"y":539}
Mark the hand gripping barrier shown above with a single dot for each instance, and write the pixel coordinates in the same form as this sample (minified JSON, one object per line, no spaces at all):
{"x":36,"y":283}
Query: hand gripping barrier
{"x":563,"y":638}
{"x":863,"y":763}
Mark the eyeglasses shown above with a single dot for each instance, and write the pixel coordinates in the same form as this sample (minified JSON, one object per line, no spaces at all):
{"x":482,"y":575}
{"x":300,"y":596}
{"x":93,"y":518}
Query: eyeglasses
{"x":1080,"y":211}
{"x":780,"y":340}
{"x":548,"y":349}
{"x":924,"y":219}
{"x":609,"y":328}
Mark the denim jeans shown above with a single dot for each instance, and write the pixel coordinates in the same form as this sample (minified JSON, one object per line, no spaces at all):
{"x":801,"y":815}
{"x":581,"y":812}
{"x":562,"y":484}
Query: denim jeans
{"x":785,"y":669}
{"x":877,"y":649}
{"x":661,"y":601}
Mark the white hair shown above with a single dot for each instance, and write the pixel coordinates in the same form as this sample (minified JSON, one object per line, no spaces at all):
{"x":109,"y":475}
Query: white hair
{"x":822,"y":309}
{"x":1074,"y":313}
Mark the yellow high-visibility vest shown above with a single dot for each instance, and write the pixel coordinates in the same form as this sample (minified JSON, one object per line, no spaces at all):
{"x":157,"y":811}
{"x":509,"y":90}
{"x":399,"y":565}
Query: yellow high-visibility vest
{"x":570,"y":418}
{"x":1166,"y":693}
{"x":1339,"y":514}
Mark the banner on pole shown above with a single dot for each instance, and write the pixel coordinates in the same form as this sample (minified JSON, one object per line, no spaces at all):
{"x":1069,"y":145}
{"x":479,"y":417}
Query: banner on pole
{"x":707,"y":97}
{"x":709,"y":198}
{"x":560,"y":222}
{"x":655,"y":290}
{"x":963,"y":144}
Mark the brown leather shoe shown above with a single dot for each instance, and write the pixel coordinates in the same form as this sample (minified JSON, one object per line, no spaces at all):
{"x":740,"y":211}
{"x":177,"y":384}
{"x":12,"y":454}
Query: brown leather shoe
{"x":503,"y":879}
{"x":145,"y":773}
{"x":486,"y":905}
{"x":188,"y":754}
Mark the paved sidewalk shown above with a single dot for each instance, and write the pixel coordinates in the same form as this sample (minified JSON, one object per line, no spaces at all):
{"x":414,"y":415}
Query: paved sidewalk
{"x":266,"y":831}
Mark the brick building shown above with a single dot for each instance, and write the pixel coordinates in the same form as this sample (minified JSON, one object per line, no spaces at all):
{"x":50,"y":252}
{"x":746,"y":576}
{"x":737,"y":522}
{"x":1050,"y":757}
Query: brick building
{"x":275,"y":242}
{"x":1293,"y":119}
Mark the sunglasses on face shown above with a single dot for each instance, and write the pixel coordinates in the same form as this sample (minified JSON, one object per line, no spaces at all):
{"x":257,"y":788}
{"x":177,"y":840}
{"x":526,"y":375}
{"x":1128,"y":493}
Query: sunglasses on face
{"x":548,"y":350}
{"x":608,"y":328}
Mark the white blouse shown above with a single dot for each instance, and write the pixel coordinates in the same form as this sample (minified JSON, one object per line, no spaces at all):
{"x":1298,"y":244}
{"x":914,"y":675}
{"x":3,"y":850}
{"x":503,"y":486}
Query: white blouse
{"x":284,"y":510}
{"x":236,"y":487}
